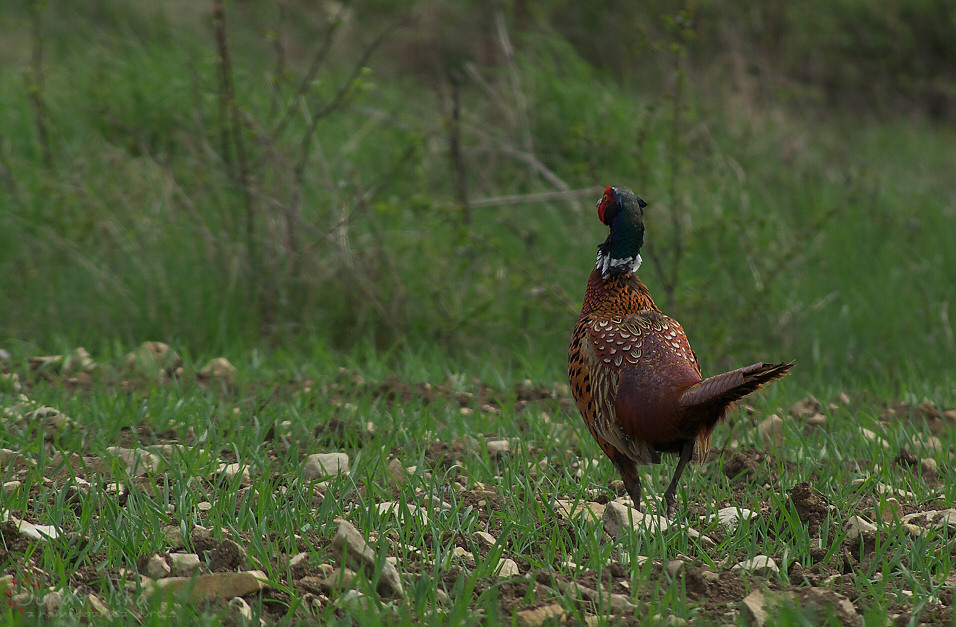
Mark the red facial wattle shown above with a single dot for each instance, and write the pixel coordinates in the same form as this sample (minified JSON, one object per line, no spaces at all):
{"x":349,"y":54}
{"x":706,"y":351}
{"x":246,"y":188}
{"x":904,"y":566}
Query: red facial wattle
{"x":606,"y":201}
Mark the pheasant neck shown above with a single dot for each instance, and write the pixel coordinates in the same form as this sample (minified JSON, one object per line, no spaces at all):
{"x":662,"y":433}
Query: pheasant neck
{"x":621,"y":251}
{"x":609,"y":265}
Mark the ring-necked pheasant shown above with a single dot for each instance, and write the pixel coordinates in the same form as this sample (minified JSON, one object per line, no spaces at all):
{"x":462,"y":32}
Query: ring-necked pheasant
{"x":633,"y":374}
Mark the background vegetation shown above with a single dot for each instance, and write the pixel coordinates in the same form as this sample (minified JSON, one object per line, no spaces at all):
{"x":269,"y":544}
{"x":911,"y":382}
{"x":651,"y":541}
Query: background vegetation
{"x":227,"y":176}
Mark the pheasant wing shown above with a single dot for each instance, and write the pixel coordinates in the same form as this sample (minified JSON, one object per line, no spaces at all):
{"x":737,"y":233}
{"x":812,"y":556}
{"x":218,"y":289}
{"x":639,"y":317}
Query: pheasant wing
{"x":607,"y":346}
{"x":653,"y":374}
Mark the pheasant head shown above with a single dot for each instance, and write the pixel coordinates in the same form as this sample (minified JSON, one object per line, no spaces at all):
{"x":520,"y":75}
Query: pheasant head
{"x":623,"y":212}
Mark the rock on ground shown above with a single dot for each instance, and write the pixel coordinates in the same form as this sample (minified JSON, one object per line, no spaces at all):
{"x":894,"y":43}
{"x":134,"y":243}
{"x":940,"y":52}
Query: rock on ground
{"x":221,"y":586}
{"x":322,"y":465}
{"x":351,"y":549}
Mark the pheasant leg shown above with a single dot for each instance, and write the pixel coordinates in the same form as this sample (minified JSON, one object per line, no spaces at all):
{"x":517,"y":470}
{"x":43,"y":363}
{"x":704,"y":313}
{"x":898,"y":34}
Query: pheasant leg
{"x":669,"y":494}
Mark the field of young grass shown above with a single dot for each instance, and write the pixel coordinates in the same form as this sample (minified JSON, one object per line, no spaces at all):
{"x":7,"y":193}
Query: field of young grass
{"x":454,"y":456}
{"x":397,"y":282}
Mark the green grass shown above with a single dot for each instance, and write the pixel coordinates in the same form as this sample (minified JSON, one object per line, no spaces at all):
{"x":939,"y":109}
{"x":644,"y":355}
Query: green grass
{"x":279,"y":515}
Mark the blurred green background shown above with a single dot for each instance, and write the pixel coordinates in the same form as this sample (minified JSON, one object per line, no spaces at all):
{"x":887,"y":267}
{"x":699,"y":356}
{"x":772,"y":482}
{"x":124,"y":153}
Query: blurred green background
{"x":393,"y":177}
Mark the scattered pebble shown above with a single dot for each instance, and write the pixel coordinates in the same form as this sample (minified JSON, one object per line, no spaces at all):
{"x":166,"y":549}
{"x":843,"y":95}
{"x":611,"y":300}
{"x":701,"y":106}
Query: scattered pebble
{"x":157,"y":567}
{"x":806,"y":407}
{"x":398,"y":472}
{"x":858,"y":528}
{"x":507,"y":568}
{"x":934,"y":518}
{"x":154,"y":359}
{"x":183,"y":564}
{"x":498,"y":447}
{"x":619,"y":517}
{"x":173,"y":534}
{"x":52,"y":602}
{"x":231,"y":471}
{"x":484,"y":538}
{"x":889,"y":510}
{"x":817,"y":420}
{"x":239,"y":606}
{"x":674,"y":567}
{"x":553,"y":613}
{"x":759,"y":565}
{"x":730,"y":517}
{"x":617,"y":603}
{"x":571,"y":510}
{"x":670,"y":620}
{"x":215,"y":586}
{"x":218,"y":369}
{"x":41,"y":533}
{"x":323,"y":465}
{"x":391,"y":507}
{"x":137,"y":461}
{"x":97,"y":606}
{"x":757,"y":605}
{"x":358,"y":554}
{"x":928,"y":443}
{"x":464,"y":555}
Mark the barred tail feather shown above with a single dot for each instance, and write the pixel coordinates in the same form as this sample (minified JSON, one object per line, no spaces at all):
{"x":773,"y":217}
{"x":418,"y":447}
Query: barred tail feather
{"x":723,"y":389}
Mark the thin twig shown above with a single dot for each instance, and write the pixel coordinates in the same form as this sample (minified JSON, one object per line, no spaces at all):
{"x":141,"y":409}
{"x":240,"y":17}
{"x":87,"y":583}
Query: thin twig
{"x":36,"y":82}
{"x":521,"y":105}
{"x":232,"y":132}
{"x":517,"y":199}
{"x":337,"y":101}
{"x":295,"y":102}
{"x":454,"y":146}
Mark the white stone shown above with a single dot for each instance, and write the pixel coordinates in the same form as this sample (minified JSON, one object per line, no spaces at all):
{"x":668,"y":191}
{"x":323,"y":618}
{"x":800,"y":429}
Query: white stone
{"x":183,"y":564}
{"x":464,"y":555}
{"x":156,"y":567}
{"x":553,"y":614}
{"x":934,"y":518}
{"x":571,"y":510}
{"x":730,"y":517}
{"x":240,"y":607}
{"x":137,"y":461}
{"x":52,"y":602}
{"x":391,"y":507}
{"x":322,"y":465}
{"x":857,"y":527}
{"x":507,"y":568}
{"x":484,"y":538}
{"x":871,"y":436}
{"x":231,"y":471}
{"x":34,"y":532}
{"x":759,"y":564}
{"x":348,"y":541}
{"x":215,"y":586}
{"x":218,"y":369}
{"x":619,"y":517}
{"x":498,"y":447}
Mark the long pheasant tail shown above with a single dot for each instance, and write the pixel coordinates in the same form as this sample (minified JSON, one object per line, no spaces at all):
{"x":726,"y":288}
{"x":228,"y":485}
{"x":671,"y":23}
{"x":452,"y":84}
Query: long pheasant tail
{"x":723,"y":389}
